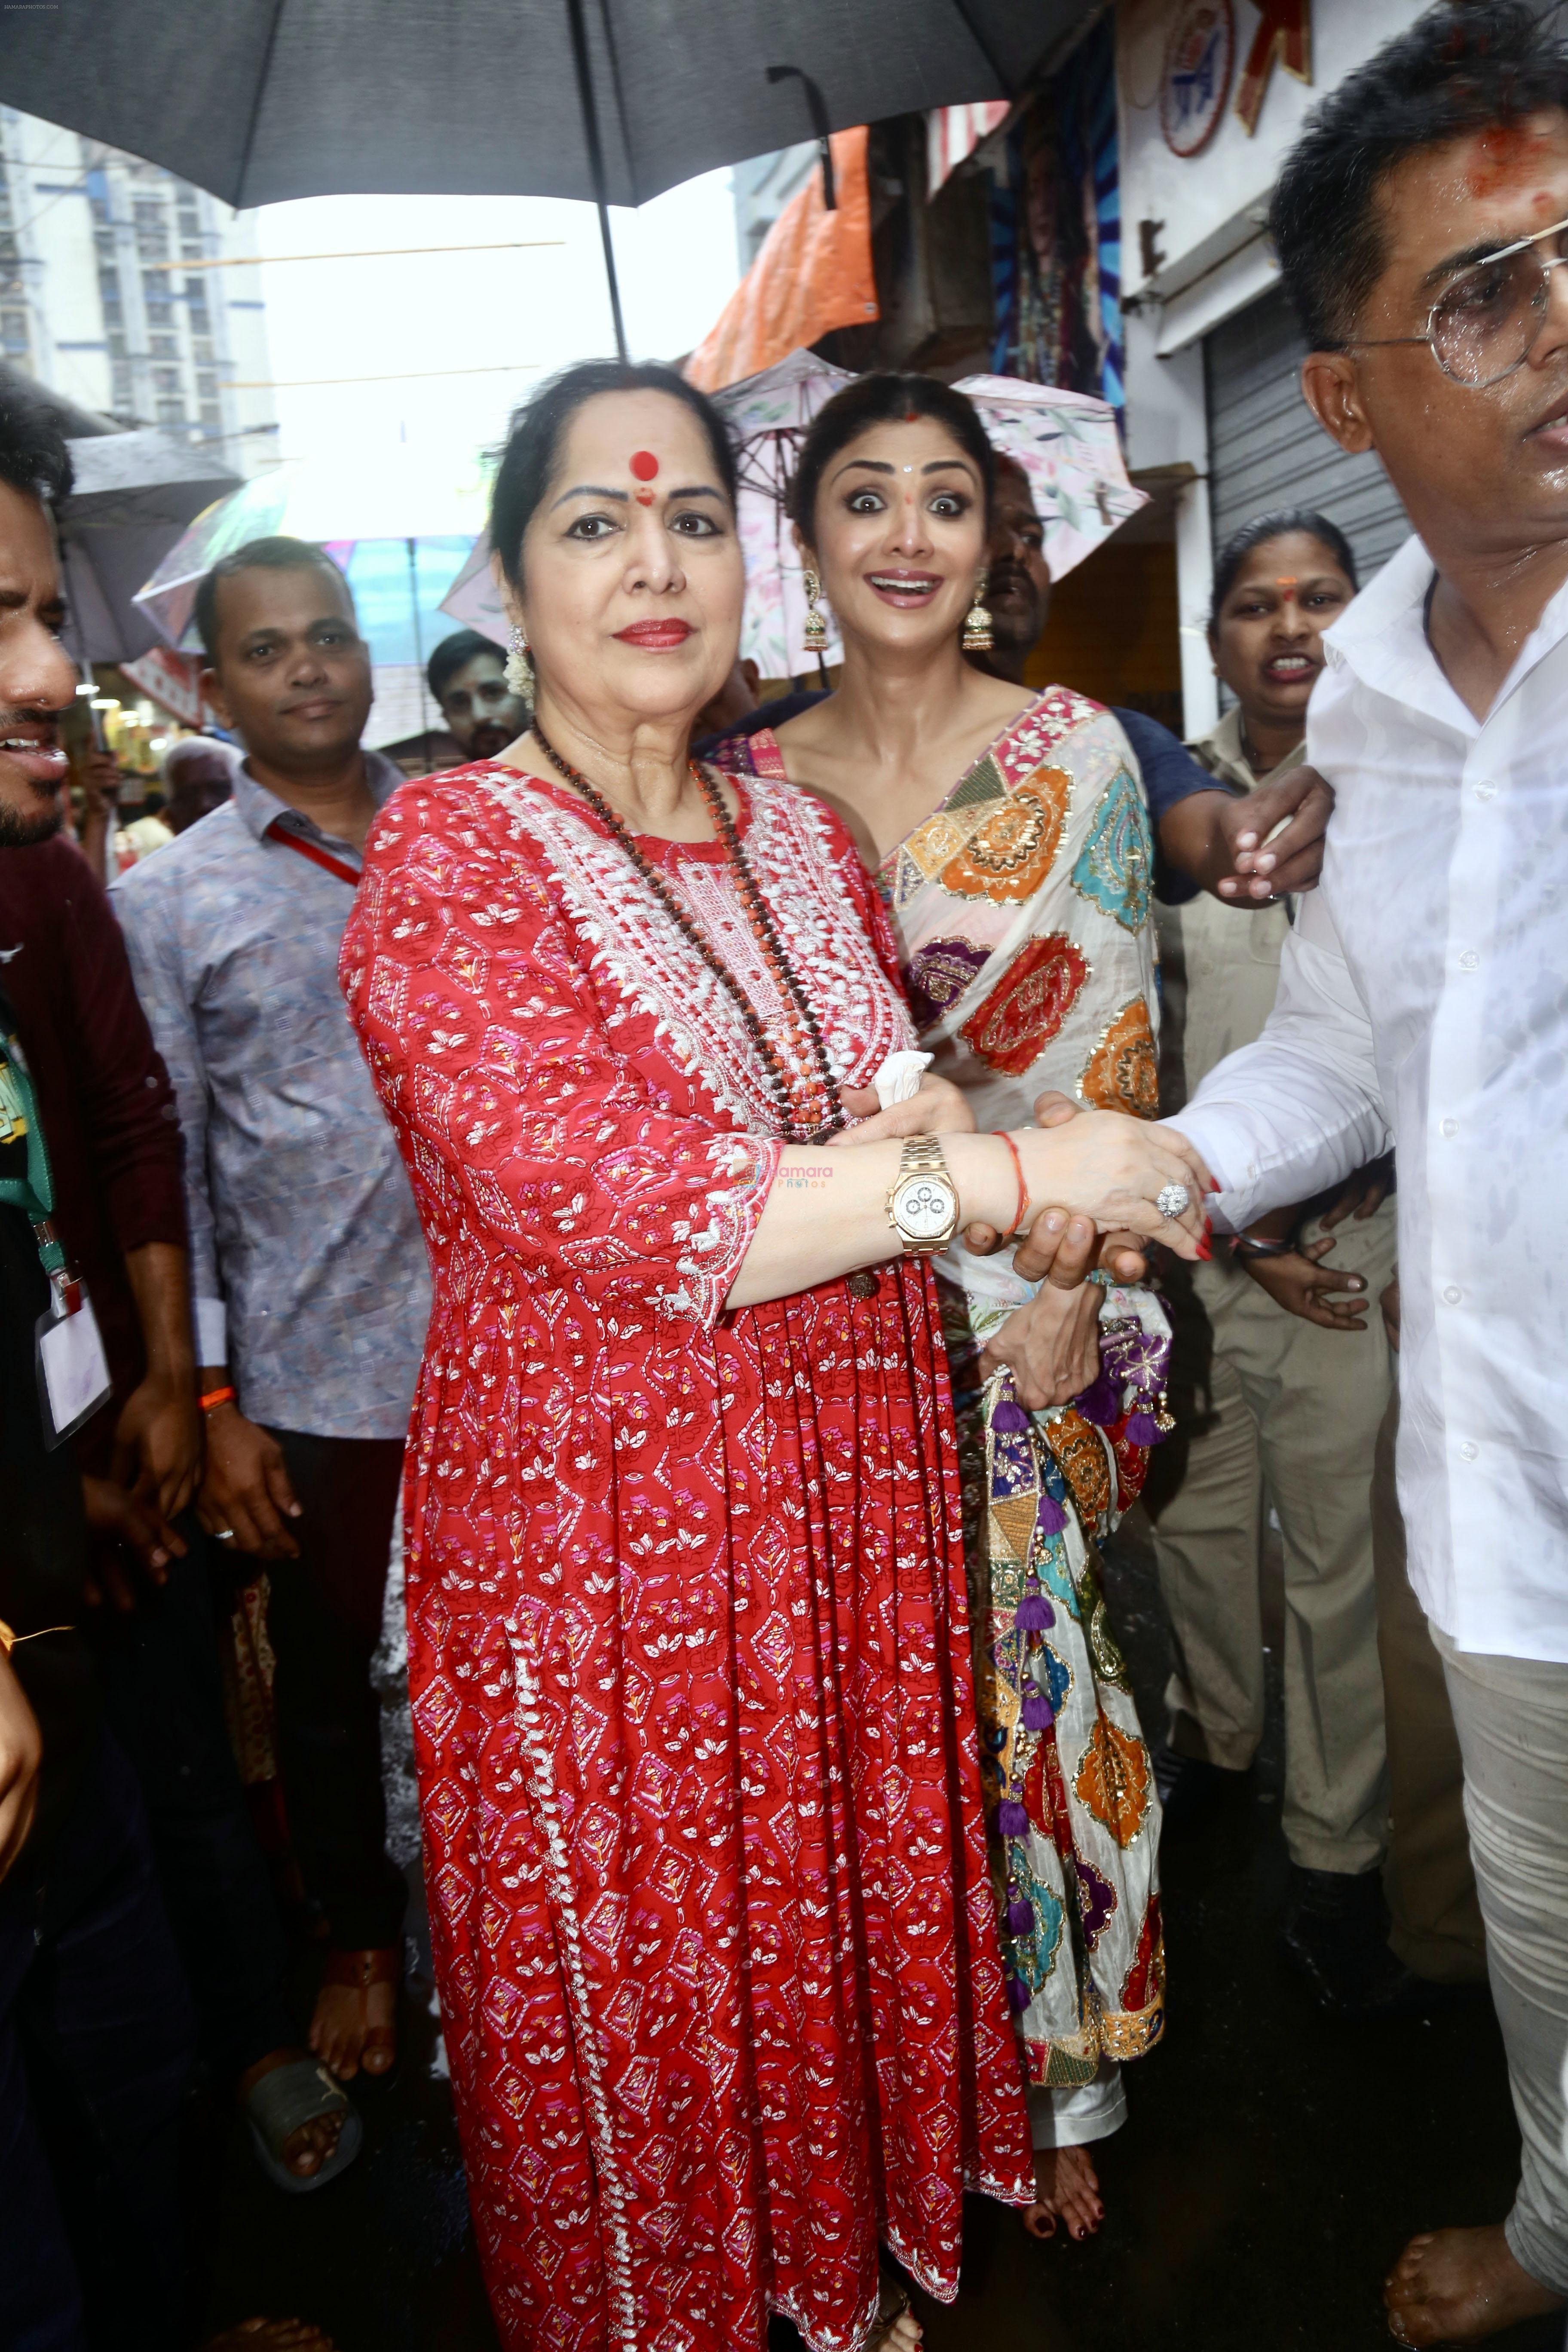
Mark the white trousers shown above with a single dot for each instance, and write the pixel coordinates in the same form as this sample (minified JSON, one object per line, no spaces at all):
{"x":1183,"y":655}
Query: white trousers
{"x":1073,"y":2118}
{"x":1511,"y":1716}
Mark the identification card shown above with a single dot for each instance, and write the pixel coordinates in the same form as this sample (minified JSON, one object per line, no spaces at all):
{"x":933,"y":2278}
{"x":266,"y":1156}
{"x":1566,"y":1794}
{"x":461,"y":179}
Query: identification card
{"x":73,"y":1371}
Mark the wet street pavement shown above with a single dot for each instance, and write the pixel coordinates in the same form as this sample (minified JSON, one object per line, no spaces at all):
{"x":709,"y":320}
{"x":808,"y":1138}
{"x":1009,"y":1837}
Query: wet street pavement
{"x":1273,"y":2164}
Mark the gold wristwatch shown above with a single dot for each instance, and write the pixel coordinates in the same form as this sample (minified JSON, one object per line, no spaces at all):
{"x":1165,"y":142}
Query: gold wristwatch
{"x":922,"y":1204}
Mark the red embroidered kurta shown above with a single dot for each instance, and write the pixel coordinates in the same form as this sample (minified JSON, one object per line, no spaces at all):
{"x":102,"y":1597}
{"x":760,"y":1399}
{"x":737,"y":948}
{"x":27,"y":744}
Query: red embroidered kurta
{"x":687,"y":1642}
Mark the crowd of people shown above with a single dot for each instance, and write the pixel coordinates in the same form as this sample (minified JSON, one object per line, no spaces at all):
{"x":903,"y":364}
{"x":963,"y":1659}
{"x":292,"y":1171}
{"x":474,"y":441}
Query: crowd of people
{"x":769,"y":1212}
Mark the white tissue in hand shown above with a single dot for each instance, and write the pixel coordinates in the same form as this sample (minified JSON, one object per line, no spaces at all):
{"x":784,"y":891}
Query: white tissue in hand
{"x":899,"y":1079}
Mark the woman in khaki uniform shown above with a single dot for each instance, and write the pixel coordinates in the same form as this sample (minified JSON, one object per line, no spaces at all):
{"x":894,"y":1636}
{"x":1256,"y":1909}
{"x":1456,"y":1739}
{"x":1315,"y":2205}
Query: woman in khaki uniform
{"x":1281,"y":1380}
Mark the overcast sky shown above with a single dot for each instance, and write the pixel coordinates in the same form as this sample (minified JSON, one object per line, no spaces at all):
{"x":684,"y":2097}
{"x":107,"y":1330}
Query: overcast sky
{"x":509,"y":316}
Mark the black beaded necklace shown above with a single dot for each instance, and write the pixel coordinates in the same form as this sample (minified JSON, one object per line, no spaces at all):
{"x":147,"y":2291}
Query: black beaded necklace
{"x":765,"y":931}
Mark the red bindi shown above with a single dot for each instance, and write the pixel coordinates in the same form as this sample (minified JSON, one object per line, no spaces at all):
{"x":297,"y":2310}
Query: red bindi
{"x":643,"y":497}
{"x":644,"y":464}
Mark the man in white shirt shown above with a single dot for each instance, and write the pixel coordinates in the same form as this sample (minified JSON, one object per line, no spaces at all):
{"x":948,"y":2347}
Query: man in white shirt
{"x":1420,"y":223}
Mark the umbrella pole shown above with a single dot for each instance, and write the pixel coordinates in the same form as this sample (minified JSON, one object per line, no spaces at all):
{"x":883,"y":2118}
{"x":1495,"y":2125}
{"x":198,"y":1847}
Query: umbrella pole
{"x":595,"y":162}
{"x":78,"y":630}
{"x":418,"y":647}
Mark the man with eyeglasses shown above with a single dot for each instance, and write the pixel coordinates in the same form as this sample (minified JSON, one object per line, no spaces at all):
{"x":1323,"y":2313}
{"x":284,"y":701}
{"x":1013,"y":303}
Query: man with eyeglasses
{"x":1424,"y":992}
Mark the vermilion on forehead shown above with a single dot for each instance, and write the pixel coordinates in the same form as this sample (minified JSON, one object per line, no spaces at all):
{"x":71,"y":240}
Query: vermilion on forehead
{"x":1511,"y":151}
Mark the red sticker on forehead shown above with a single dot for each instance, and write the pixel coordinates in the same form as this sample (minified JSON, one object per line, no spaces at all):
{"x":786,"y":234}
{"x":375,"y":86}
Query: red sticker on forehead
{"x":645,"y":465}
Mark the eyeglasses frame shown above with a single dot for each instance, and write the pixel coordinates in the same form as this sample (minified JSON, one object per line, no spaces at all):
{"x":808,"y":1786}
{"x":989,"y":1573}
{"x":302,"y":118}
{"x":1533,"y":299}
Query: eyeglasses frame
{"x":1387,"y":342}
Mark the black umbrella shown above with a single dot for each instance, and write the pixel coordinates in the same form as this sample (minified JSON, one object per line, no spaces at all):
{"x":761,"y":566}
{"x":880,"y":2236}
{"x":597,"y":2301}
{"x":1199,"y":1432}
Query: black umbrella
{"x":609,"y":99}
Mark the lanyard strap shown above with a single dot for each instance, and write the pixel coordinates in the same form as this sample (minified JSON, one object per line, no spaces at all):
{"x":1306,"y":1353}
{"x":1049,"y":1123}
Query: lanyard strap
{"x":287,"y":839}
{"x":34,"y":1195}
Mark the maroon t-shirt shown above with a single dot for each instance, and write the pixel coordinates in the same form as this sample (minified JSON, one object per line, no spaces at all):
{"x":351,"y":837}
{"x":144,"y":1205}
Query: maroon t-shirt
{"x":108,"y":1113}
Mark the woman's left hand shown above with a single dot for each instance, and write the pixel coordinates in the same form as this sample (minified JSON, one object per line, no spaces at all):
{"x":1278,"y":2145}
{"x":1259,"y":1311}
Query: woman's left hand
{"x":939,"y":1108}
{"x":1051,"y":1346}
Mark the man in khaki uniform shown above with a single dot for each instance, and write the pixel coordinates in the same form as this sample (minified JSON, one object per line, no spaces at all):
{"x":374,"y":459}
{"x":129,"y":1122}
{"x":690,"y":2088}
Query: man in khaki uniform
{"x":1276,"y":1413}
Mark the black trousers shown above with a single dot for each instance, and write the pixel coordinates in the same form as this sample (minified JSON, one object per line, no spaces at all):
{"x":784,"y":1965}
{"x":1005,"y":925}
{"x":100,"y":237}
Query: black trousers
{"x":324,"y":1623}
{"x":96,"y":2047}
{"x":158,"y":1668}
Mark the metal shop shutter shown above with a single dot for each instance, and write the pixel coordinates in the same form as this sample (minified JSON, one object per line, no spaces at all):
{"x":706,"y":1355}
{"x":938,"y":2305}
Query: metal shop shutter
{"x":1267,"y":450}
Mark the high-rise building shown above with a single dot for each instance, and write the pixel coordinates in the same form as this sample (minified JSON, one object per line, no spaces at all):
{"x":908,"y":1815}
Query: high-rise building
{"x":110,"y":295}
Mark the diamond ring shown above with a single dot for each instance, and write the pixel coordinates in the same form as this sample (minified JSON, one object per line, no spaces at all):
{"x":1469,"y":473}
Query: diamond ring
{"x":1172,"y":1199}
{"x":226,"y":1535}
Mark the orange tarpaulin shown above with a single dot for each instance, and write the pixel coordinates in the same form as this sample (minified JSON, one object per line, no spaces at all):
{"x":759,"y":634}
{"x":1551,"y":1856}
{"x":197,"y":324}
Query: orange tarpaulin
{"x":814,"y":273}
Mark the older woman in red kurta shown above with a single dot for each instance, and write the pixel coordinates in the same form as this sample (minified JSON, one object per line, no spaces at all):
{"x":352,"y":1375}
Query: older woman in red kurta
{"x":701,"y":1805}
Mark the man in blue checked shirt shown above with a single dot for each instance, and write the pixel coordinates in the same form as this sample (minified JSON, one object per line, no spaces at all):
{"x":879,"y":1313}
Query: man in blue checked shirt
{"x":307,"y":1265}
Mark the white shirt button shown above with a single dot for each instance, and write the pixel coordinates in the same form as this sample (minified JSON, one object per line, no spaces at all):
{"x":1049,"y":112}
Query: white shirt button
{"x":1450,"y":1127}
{"x":1453,"y":1294}
{"x":1485,"y":790}
{"x":1469,"y":960}
{"x":1468,"y":1452}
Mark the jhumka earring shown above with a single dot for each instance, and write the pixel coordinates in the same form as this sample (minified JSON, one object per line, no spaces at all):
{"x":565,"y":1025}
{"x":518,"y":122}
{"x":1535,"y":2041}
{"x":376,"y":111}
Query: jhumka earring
{"x":978,"y":638}
{"x":519,"y":669}
{"x":814,"y":634}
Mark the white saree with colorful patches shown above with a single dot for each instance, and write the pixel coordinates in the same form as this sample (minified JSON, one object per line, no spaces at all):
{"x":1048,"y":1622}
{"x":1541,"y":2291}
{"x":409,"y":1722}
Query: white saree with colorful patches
{"x":1022,"y":912}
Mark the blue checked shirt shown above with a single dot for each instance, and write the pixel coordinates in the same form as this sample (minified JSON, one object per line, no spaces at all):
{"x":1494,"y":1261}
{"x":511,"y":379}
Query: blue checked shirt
{"x":307,"y":1263}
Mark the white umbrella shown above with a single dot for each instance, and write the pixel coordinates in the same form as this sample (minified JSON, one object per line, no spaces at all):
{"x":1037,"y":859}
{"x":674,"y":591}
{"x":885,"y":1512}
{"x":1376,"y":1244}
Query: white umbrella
{"x":382,"y":499}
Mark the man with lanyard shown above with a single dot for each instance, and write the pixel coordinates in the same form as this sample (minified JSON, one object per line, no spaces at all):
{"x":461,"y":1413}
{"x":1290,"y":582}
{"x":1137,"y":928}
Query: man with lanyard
{"x":308,"y":1269}
{"x":88,"y":1968}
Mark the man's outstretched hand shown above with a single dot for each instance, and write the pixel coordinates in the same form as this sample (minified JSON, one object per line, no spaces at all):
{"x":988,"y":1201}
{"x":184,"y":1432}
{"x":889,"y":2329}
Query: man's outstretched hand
{"x":1036,"y":1258}
{"x":1263,"y":868}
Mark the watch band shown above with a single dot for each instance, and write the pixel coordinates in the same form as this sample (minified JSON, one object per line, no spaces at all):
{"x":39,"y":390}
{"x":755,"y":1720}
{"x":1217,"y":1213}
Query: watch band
{"x":922,"y":1155}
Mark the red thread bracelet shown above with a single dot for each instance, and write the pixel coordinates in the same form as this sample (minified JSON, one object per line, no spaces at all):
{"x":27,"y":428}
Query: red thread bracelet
{"x":215,"y":1396}
{"x":1023,"y":1188}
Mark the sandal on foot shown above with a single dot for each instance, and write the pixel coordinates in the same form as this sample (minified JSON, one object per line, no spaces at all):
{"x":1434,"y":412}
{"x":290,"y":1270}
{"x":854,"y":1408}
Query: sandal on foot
{"x":360,"y":1971}
{"x":891,"y":2305}
{"x":281,"y":2104}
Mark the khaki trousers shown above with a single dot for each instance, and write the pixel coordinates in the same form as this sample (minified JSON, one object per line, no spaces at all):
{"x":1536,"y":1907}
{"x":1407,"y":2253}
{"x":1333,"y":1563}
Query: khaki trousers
{"x":1274,"y":1411}
{"x":1427,"y":1878}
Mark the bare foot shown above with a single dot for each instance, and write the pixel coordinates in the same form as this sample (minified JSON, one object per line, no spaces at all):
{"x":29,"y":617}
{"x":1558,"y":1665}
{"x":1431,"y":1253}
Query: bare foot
{"x":1067,"y":2188}
{"x":271,"y":2335}
{"x":347,"y":2017}
{"x":1455,"y":2286}
{"x":305,"y":2152}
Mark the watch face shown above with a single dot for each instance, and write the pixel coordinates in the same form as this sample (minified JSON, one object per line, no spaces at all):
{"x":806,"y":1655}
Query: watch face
{"x":924,"y":1207}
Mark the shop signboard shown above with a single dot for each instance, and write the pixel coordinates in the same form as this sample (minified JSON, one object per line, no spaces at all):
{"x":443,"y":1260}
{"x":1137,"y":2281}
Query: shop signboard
{"x":1200,"y":56}
{"x":1284,"y":31}
{"x":174,"y":681}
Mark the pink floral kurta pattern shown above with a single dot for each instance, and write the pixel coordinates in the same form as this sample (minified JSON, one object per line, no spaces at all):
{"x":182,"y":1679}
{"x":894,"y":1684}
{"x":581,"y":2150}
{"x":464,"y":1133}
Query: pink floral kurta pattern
{"x":687,"y":1636}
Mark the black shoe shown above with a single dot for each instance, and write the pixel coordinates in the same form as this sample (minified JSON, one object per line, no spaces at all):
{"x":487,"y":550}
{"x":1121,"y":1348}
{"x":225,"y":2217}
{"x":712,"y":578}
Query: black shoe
{"x":1335,"y":1934}
{"x":1191,"y":1787}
